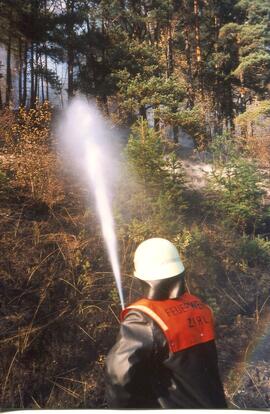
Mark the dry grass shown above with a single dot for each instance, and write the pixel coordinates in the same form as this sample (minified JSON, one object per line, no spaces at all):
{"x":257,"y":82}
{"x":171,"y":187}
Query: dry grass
{"x":59,"y":306}
{"x":56,"y":302}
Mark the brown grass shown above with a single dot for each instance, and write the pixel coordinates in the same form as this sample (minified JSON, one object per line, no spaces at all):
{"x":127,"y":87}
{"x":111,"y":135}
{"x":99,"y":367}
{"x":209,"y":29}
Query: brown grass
{"x":59,"y":306}
{"x":56,"y":284}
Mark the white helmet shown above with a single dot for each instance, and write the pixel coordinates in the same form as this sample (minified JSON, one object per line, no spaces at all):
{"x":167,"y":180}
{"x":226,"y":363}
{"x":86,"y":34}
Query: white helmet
{"x":157,"y":259}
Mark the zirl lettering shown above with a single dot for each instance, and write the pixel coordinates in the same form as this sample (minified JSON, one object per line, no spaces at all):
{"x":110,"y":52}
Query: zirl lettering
{"x":197,"y":321}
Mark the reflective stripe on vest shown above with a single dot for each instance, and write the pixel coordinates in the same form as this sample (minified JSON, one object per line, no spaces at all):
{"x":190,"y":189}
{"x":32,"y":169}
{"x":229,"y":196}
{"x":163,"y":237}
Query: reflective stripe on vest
{"x":186,"y":321}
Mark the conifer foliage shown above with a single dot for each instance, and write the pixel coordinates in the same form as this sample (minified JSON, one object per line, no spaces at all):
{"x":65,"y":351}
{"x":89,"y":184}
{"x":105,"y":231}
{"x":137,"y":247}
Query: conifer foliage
{"x":165,"y":56}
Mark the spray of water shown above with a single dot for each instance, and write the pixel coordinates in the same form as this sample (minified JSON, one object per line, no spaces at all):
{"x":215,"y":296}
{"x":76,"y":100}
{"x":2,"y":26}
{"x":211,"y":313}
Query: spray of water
{"x":88,"y":143}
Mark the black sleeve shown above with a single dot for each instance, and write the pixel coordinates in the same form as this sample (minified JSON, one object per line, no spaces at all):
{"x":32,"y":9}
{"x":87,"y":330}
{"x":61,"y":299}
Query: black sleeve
{"x":128,"y":364}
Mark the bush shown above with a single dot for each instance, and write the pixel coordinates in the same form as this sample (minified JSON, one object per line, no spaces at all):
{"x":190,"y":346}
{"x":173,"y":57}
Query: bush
{"x":191,"y":121}
{"x":6,"y":127}
{"x":3,"y":185}
{"x":254,"y":126}
{"x":154,"y":165}
{"x":27,"y":147}
{"x":236,"y":186}
{"x":255,"y":251}
{"x":150,"y":203}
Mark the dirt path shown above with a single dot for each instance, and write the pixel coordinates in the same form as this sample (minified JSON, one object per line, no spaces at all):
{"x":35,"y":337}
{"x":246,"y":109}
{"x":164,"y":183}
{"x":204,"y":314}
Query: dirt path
{"x":196,"y":166}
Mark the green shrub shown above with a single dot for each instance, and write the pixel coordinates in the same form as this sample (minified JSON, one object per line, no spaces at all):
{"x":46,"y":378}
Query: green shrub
{"x":150,"y":202}
{"x":158,"y":170}
{"x":201,"y":254}
{"x":255,"y":251}
{"x":156,"y":184}
{"x":236,"y":186}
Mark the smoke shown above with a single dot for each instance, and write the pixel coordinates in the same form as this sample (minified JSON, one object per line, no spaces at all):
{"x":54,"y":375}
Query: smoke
{"x":89,"y":145}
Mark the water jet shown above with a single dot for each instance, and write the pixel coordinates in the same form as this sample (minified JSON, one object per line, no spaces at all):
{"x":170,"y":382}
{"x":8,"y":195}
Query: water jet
{"x":86,"y":139}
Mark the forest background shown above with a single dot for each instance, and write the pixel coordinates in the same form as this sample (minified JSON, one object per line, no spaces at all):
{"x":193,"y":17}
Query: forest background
{"x":158,"y":70}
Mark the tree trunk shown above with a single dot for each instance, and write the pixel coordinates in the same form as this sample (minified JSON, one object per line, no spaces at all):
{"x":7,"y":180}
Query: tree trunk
{"x":156,"y":124}
{"x":42,"y":80}
{"x":8,"y":68}
{"x":70,"y":48}
{"x":36,"y":93}
{"x":189,"y":61}
{"x":46,"y":76}
{"x":70,"y":73}
{"x":170,"y":68}
{"x":169,"y":52}
{"x":24,"y":97}
{"x":218,"y":88}
{"x":20,"y":71}
{"x":142,"y":112}
{"x":32,"y":75}
{"x":105,"y":104}
{"x":229,"y":106}
{"x":46,"y":64}
{"x":175,"y":133}
{"x":197,"y":32}
{"x":198,"y":45}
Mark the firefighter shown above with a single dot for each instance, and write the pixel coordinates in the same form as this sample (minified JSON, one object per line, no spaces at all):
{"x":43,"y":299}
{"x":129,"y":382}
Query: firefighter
{"x":165,"y":354}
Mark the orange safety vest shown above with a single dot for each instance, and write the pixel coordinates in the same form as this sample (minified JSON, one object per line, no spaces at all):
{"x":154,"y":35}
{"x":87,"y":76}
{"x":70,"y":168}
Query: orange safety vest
{"x":186,"y":321}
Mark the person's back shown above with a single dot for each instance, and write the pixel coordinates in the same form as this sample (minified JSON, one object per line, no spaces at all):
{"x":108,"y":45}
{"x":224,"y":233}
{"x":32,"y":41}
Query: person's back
{"x":165,"y":355}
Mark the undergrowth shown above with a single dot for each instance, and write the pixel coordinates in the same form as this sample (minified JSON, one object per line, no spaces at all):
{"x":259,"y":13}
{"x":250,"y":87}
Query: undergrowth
{"x":59,"y":306}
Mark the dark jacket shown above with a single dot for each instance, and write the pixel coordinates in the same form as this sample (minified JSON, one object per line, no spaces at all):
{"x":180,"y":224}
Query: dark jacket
{"x":142,"y":372}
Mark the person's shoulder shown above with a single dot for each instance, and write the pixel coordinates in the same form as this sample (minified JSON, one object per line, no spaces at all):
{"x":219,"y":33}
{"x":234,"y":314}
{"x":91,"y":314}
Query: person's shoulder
{"x":137,"y":321}
{"x":135,"y":315}
{"x":195,"y":298}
